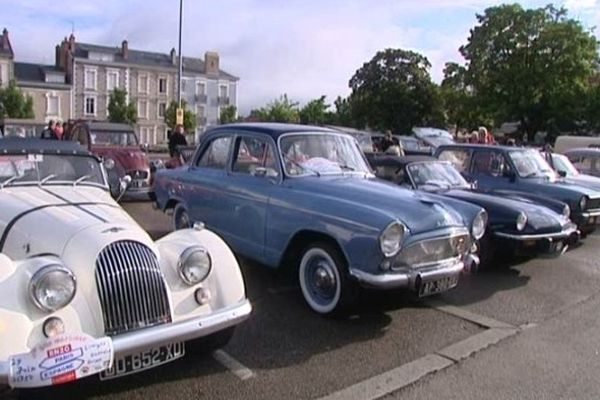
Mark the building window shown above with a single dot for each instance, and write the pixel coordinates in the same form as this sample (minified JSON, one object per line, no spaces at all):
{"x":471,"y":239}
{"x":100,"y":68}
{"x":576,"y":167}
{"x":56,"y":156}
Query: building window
{"x":223,"y":91}
{"x":52,"y":104}
{"x":90,"y":76}
{"x":112,"y":80}
{"x":200,"y":111}
{"x":143,"y":84}
{"x":142,"y":109}
{"x":162,"y":109}
{"x":162,"y":85}
{"x":201,"y":88}
{"x":90,"y":105}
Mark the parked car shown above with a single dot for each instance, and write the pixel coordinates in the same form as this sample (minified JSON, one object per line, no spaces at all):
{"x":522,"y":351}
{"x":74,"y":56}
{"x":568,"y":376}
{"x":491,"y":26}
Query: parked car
{"x":433,"y":137}
{"x":17,"y":127}
{"x":413,"y":146}
{"x":516,"y":225}
{"x":84,"y":290}
{"x":568,"y":142}
{"x":119,"y":146}
{"x":523,"y":171}
{"x":586,"y":160}
{"x":565,"y":170}
{"x":302,"y":196}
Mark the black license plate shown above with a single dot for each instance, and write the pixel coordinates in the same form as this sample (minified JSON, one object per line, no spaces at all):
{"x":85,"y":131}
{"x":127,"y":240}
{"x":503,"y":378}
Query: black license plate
{"x":428,"y":288}
{"x":150,"y":358}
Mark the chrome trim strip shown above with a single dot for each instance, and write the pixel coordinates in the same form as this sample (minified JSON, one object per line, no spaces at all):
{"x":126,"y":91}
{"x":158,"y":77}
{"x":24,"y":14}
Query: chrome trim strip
{"x":594,"y":213}
{"x":564,"y":233}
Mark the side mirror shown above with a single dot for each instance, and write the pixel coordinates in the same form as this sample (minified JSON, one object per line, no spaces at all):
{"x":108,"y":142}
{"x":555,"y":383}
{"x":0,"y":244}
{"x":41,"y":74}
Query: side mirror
{"x":260,"y":172}
{"x":562,"y":174}
{"x":124,"y":183}
{"x":474,"y":184}
{"x":507,"y":173}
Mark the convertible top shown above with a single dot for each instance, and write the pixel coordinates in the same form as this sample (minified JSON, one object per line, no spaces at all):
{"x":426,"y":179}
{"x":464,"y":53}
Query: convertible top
{"x":14,"y":145}
{"x":385,"y":160}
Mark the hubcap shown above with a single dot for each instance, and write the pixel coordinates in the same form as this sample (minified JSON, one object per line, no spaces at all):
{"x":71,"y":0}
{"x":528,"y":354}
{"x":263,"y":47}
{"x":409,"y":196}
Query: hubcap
{"x":321,"y":280}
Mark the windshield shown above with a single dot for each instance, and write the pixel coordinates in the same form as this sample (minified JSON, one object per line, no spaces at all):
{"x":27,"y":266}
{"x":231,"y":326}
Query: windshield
{"x":530,"y":163}
{"x":437,"y":174}
{"x":321,"y":153}
{"x":114,"y":138}
{"x":45,"y":168}
{"x":562,"y":163}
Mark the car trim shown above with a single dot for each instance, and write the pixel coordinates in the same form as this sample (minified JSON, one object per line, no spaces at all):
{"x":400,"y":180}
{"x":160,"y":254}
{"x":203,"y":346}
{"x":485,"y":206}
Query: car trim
{"x":564,"y":233}
{"x":587,"y":214}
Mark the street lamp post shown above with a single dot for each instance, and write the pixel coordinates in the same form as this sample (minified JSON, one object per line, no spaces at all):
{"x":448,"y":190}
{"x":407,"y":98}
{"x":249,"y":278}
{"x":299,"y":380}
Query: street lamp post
{"x":180,"y":55}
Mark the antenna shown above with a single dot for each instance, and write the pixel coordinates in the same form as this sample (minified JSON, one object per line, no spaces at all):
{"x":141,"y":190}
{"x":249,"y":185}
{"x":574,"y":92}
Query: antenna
{"x":72,"y":27}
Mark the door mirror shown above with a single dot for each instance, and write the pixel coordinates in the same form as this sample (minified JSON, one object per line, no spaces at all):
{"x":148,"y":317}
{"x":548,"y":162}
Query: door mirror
{"x":509,"y":173}
{"x":474,"y":184}
{"x":562,"y":173}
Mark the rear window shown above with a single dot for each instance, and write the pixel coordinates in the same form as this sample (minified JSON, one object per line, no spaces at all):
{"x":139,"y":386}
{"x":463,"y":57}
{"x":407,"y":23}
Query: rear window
{"x":459,"y":158}
{"x":114,"y":138}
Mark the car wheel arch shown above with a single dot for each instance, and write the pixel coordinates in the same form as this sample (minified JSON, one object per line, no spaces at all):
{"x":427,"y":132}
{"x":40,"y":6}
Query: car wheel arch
{"x":300,"y":241}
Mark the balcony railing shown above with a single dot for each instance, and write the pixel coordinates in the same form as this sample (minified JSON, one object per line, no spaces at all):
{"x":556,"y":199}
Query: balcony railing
{"x":201,"y":120}
{"x":200,"y":98}
{"x":223,"y":101}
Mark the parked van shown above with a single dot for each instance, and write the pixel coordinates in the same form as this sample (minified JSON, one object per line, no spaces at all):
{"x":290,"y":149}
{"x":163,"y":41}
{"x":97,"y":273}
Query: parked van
{"x":564,"y":143}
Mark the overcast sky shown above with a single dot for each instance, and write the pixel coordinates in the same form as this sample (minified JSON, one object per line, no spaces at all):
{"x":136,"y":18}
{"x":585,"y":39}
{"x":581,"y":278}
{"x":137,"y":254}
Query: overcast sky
{"x":305,"y":48}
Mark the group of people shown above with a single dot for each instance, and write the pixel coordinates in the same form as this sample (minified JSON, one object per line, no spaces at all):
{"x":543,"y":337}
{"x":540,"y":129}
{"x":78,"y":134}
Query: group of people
{"x":55,"y":130}
{"x":482,"y":136}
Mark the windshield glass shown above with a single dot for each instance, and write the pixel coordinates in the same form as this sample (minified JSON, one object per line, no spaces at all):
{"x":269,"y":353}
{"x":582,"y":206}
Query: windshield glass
{"x":45,"y":168}
{"x":530,"y":163}
{"x":114,"y":138}
{"x":321,"y":153}
{"x":562,"y":163}
{"x":437,"y":174}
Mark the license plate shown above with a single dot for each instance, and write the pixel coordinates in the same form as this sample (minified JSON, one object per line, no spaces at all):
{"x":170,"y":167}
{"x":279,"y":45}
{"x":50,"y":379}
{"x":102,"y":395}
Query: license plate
{"x":437,"y":286}
{"x":132,"y":363}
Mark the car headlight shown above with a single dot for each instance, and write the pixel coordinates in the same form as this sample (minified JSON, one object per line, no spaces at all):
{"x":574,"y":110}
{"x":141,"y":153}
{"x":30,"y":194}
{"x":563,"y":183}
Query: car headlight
{"x":479,"y":224}
{"x":52,"y":287}
{"x":194,"y":265}
{"x":582,"y":203}
{"x":390,"y":241}
{"x":521,"y":221}
{"x":566,"y":211}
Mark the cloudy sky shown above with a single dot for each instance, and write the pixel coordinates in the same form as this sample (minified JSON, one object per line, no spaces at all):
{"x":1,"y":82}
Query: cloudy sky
{"x":305,"y":48}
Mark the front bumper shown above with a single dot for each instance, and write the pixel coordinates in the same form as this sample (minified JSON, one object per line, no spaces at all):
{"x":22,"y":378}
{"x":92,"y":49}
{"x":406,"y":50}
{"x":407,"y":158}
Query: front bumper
{"x":532,"y":244}
{"x":411,"y":279}
{"x":136,"y":341}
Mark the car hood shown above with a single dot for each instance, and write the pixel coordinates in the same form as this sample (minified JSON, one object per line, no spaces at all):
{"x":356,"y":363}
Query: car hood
{"x":126,"y":158}
{"x":420,"y":212}
{"x":574,"y":187}
{"x":588,"y":181}
{"x":42,"y":220}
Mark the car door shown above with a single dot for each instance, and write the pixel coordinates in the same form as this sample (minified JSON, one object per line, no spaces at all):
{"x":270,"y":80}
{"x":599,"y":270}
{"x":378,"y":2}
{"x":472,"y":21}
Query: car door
{"x":491,"y":170}
{"x":253,"y":176}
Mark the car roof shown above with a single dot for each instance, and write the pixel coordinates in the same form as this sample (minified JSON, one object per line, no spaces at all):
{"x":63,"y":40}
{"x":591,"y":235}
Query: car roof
{"x":273,"y":129}
{"x":14,"y":145}
{"x":108,"y":126}
{"x":590,"y":151}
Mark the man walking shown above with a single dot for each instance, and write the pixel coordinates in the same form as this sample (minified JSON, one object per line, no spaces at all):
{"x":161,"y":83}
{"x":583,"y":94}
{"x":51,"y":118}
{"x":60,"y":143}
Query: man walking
{"x":49,"y":133}
{"x":177,"y":139}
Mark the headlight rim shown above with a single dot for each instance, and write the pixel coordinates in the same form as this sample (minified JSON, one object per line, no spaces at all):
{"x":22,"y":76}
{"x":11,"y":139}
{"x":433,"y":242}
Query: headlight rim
{"x":566,"y":211}
{"x":521,"y":221}
{"x":484,"y":218}
{"x":405,"y":230}
{"x":582,"y":202}
{"x":36,"y":278}
{"x":185,"y":255}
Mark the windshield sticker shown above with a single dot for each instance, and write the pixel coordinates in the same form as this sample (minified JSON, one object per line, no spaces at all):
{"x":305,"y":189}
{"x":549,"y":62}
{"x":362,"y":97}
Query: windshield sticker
{"x":35,"y":157}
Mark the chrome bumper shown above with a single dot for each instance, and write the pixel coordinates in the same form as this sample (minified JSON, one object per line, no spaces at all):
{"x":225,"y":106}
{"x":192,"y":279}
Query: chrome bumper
{"x":393,"y":280}
{"x":592,"y":213}
{"x":129,"y":343}
{"x":565,"y":233}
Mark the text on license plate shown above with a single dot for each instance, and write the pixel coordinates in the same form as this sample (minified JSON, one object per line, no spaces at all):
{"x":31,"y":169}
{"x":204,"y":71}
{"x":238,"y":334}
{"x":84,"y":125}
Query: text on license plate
{"x":437,"y":286}
{"x":146,"y":359}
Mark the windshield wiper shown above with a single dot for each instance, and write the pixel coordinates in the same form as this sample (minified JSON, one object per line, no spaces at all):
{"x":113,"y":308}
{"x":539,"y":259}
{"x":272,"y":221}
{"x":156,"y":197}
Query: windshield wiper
{"x":8,"y":181}
{"x":297,"y":164}
{"x":529,"y":175}
{"x":346,"y":167}
{"x":83,"y":178}
{"x":47,"y":178}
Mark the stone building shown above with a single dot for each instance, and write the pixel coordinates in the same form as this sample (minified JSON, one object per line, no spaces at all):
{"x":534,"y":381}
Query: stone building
{"x":6,"y":59}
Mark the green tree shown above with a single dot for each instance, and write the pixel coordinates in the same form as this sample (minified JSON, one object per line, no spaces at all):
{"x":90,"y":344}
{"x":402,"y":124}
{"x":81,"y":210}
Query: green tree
{"x":14,"y":104}
{"x":394,"y":91}
{"x":315,"y":112}
{"x":279,"y":110}
{"x":228,"y":114}
{"x":530,"y":65}
{"x":189,"y":118}
{"x":119,"y":110}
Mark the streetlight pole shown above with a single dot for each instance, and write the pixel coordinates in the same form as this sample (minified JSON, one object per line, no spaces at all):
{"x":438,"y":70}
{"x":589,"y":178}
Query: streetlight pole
{"x":180,"y":73}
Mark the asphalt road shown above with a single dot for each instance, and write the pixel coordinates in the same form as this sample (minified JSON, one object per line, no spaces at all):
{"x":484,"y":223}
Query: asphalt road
{"x":528,"y":330}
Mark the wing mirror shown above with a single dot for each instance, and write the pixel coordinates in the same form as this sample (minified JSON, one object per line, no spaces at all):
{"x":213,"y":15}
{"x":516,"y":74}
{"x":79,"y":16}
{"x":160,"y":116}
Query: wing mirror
{"x":507,"y":173}
{"x":561,"y":173}
{"x":473,"y":184}
{"x":124,"y":183}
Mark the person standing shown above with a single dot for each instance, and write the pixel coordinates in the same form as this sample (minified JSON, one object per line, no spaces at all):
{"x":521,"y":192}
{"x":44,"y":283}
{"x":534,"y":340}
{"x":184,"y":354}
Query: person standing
{"x":58,"y":130}
{"x":177,"y":139}
{"x":49,"y":133}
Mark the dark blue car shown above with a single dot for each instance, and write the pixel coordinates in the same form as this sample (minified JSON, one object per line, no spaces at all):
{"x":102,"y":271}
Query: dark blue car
{"x":523,"y":171}
{"x":304,"y":197}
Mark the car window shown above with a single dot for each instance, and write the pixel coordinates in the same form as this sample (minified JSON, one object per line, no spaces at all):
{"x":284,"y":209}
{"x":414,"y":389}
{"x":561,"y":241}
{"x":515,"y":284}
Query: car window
{"x":457,"y":157}
{"x":216,"y":153}
{"x":254,"y":156}
{"x":491,"y":163}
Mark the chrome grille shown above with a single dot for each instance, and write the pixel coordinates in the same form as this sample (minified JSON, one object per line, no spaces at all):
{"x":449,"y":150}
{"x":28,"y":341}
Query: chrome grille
{"x":131,"y":287}
{"x":592,"y":204}
{"x":427,"y":252}
{"x":138,"y":174}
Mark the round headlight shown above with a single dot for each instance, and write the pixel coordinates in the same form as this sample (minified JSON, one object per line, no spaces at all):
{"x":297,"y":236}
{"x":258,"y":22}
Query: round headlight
{"x":390,"y":241}
{"x":582,"y":203}
{"x":566,"y":211}
{"x":194,"y":265}
{"x":52,"y":287}
{"x":521,"y":221}
{"x":479,"y":224}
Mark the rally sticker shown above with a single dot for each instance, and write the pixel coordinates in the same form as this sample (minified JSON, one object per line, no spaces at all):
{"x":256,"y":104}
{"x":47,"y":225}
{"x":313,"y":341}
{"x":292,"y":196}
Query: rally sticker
{"x":62,"y":359}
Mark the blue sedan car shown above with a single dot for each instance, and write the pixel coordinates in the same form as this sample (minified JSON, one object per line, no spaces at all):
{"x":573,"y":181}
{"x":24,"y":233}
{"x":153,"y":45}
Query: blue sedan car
{"x":523,"y":171}
{"x":304,"y":197}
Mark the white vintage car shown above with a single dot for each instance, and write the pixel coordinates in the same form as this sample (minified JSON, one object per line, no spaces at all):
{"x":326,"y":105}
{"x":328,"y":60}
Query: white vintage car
{"x":84,"y":290}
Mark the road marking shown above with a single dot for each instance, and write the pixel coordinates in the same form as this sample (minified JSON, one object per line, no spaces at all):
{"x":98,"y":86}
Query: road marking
{"x":236,"y":367}
{"x":390,"y":381}
{"x":461,"y":313}
{"x":465,"y":348}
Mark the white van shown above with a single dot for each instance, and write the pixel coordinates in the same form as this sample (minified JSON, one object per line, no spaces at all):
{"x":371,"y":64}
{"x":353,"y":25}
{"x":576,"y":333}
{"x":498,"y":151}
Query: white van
{"x":564,"y":143}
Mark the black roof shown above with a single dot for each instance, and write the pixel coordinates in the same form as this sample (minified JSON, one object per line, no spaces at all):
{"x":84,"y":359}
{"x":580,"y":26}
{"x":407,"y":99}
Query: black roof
{"x":14,"y":145}
{"x":274,"y":129}
{"x":386,"y":160}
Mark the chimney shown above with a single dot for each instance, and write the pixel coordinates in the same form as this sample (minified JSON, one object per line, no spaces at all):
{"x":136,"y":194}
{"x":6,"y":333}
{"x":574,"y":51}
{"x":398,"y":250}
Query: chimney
{"x":211,"y":63}
{"x":72,"y":43}
{"x":57,"y":56}
{"x":125,"y":49}
{"x":4,"y":44}
{"x":173,"y":56}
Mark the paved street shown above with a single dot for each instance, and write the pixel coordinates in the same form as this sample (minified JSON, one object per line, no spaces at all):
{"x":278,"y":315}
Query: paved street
{"x":523,"y":331}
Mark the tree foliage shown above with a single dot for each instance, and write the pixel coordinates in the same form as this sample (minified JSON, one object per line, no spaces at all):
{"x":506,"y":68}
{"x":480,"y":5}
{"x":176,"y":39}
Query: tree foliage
{"x":279,"y":110}
{"x":394,"y":91}
{"x":119,"y":110}
{"x":228,"y":114}
{"x":530,"y":65}
{"x":15,"y":104}
{"x":189,"y":118}
{"x":315,"y":112}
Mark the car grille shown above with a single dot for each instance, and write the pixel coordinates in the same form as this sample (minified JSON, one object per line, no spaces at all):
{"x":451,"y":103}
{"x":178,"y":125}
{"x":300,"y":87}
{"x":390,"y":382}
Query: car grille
{"x":427,"y":252}
{"x":593,"y":204}
{"x":138,"y":174}
{"x":131,"y":287}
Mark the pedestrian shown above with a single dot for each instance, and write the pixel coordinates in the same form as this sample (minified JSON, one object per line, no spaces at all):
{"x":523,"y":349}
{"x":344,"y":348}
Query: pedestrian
{"x":177,"y":139}
{"x":58,"y":130}
{"x":388,"y":141}
{"x":483,"y":135}
{"x":48,"y":133}
{"x":474,"y":137}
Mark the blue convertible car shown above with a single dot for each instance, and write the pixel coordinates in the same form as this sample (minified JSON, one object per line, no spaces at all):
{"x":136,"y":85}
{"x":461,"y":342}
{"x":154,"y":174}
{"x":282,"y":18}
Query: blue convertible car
{"x":304,"y":197}
{"x":523,"y":171}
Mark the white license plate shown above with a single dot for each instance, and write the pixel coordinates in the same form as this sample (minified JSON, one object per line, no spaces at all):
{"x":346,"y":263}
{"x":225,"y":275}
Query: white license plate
{"x":132,"y":363}
{"x":437,"y":286}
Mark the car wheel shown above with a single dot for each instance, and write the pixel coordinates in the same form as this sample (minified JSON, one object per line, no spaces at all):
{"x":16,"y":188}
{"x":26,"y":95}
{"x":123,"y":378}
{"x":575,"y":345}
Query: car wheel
{"x":210,"y":343}
{"x":181,"y":218}
{"x":324,"y":280}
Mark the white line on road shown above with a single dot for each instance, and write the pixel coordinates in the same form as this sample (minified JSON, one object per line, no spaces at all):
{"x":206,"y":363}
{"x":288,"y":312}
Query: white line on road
{"x":461,"y":313}
{"x":236,"y":367}
{"x":471,"y":345}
